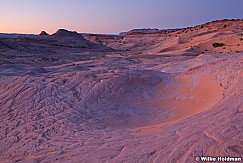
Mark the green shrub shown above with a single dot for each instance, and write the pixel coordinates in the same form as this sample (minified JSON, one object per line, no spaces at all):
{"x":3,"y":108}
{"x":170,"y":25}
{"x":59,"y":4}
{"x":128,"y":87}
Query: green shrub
{"x":218,"y":44}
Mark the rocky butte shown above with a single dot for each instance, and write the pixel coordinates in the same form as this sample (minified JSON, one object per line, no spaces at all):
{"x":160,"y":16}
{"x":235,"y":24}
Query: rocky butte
{"x":43,"y":33}
{"x":158,"y":96}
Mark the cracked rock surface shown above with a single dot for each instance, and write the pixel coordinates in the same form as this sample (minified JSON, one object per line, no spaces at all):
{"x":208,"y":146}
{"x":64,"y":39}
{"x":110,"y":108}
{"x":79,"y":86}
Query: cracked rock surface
{"x":132,"y":112}
{"x":141,"y":97}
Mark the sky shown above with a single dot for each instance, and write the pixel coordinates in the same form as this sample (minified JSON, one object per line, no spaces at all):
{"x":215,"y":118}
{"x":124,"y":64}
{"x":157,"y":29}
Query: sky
{"x":111,"y":16}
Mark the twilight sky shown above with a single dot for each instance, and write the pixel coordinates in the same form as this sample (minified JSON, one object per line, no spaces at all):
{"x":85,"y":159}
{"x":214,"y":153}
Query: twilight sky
{"x":111,"y":16}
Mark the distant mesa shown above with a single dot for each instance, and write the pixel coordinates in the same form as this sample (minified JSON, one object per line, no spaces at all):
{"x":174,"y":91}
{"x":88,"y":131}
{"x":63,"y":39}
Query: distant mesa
{"x":66,"y":33}
{"x":147,"y":31}
{"x":43,"y":33}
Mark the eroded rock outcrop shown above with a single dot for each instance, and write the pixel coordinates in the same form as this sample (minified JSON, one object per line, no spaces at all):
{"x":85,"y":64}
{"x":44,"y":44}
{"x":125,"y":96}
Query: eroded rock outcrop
{"x":43,"y":33}
{"x":169,"y":106}
{"x":66,"y":33}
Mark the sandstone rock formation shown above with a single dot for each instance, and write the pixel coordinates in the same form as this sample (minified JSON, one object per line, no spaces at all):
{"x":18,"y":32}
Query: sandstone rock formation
{"x":43,"y":33}
{"x":122,"y":106}
{"x":190,"y":40}
{"x":66,"y":33}
{"x":60,"y":45}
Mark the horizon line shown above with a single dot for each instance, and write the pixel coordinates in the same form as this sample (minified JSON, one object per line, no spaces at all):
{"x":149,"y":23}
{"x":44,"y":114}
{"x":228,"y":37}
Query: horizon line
{"x":172,"y":28}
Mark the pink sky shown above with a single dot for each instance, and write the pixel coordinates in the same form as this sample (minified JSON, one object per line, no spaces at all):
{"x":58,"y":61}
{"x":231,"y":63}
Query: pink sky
{"x":111,"y":16}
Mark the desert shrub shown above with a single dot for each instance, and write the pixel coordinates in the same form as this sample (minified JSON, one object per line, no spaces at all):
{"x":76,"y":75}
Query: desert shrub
{"x":241,"y":39}
{"x":225,"y":26}
{"x":218,"y":44}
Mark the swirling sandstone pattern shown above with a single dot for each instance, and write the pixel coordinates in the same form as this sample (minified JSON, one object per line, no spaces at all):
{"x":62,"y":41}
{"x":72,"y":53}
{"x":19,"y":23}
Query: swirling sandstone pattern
{"x":120,"y":107}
